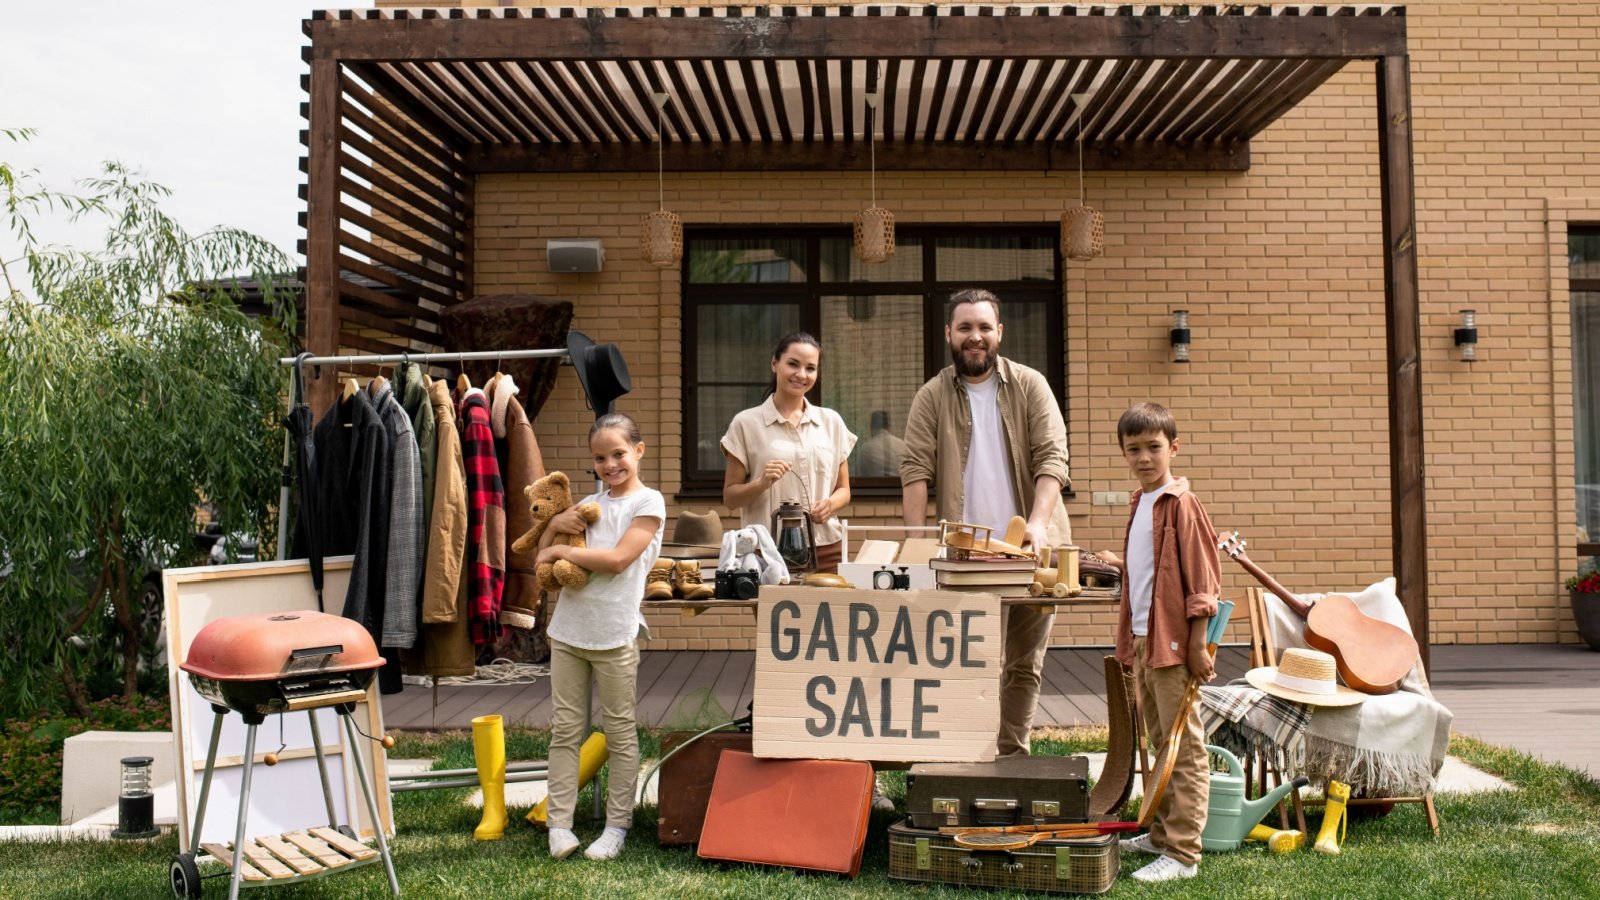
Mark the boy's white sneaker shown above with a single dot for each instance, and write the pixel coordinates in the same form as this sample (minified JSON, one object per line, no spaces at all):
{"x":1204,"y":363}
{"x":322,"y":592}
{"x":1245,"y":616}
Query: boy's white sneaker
{"x":1139,"y":844}
{"x":1165,"y":868}
{"x":562,"y":843}
{"x":607,"y":845}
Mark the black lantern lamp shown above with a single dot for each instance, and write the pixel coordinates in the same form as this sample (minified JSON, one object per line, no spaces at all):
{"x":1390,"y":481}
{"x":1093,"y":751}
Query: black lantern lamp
{"x":1467,"y":335}
{"x":797,"y":543}
{"x":1180,"y":335}
{"x":136,"y":805}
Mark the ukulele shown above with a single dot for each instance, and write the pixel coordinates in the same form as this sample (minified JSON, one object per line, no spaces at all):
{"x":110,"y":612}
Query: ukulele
{"x":1372,"y":655}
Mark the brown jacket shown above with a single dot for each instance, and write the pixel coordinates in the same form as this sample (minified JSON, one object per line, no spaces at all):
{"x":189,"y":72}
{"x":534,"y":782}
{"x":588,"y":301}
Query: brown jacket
{"x":446,"y":645}
{"x":521,"y":464}
{"x":939,"y":433}
{"x":1188,"y":577}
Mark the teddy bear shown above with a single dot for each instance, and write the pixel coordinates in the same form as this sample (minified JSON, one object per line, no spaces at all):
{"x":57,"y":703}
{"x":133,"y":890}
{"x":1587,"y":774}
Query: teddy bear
{"x":546,"y":497}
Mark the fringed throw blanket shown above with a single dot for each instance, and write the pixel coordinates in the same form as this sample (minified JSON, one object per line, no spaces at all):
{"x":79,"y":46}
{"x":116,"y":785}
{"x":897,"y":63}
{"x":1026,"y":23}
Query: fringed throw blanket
{"x":1390,"y":745}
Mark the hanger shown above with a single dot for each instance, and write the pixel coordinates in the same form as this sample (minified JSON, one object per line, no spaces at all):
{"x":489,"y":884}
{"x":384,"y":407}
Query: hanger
{"x":376,"y":385}
{"x":463,"y":383}
{"x":351,"y":387}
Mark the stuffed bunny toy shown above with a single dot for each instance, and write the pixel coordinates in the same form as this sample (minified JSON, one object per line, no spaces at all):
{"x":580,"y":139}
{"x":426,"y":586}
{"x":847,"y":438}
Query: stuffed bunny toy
{"x":751,"y":547}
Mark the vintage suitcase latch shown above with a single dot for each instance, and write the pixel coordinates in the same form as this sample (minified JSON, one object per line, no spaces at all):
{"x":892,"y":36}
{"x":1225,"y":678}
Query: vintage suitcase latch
{"x":1046,"y":808}
{"x":924,"y":854}
{"x":1063,"y":863}
{"x":949,"y":807}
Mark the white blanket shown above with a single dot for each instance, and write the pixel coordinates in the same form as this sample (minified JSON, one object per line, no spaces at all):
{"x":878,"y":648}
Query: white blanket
{"x":1390,"y":745}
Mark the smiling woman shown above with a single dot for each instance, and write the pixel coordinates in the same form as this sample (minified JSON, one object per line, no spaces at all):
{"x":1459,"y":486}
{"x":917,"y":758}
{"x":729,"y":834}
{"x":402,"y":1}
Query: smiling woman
{"x":788,"y":449}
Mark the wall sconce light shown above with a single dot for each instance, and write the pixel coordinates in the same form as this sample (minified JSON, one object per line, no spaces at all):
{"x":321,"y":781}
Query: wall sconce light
{"x":1467,"y":335}
{"x":1180,"y":335}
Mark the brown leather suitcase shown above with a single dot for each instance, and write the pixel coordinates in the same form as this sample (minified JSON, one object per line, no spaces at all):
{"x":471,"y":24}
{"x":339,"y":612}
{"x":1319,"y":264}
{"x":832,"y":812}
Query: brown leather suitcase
{"x":1011,"y":790}
{"x":801,"y":813}
{"x":684,"y":782}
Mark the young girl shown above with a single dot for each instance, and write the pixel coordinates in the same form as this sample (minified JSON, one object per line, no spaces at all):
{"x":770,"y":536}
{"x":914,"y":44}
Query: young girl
{"x":594,"y":629}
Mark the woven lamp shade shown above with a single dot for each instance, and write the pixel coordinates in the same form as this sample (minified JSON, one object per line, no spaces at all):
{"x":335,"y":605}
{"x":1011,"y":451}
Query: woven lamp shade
{"x":663,"y":237}
{"x":1083,"y":230}
{"x":874,"y":234}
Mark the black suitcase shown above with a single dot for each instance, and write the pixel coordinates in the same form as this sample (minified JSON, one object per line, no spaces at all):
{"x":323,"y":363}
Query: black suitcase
{"x":1012,"y":790}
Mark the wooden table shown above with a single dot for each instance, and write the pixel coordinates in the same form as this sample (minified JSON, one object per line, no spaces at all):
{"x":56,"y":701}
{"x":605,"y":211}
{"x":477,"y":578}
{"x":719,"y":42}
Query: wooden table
{"x":1045,"y":605}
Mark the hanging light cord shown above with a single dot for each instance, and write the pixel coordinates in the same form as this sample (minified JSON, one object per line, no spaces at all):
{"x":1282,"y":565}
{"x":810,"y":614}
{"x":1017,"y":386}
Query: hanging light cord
{"x":661,"y":188}
{"x":872,"y":149}
{"x":1081,"y":194}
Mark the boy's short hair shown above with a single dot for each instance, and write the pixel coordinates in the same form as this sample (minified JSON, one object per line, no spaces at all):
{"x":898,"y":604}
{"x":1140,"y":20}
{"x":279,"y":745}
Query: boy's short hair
{"x":970,"y":295}
{"x":1143,"y":418}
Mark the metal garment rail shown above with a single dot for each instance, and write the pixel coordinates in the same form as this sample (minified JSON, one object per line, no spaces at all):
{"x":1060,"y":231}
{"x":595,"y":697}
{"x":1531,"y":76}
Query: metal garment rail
{"x":530,"y":771}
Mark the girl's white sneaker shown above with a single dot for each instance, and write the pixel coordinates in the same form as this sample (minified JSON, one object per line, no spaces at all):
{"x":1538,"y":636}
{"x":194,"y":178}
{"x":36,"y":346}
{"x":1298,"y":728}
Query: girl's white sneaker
{"x":607,"y":845}
{"x":1165,"y":868}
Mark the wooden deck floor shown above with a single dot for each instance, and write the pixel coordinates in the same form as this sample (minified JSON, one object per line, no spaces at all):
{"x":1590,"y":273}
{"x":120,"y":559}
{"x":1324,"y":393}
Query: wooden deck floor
{"x":1539,"y":698}
{"x":674,"y":682}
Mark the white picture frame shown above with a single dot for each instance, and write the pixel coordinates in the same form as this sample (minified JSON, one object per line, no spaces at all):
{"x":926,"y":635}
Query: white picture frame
{"x":288,"y":796}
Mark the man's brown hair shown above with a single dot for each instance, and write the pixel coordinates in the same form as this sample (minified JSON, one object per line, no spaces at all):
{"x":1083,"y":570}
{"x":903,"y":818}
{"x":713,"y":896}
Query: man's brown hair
{"x":970,"y":295}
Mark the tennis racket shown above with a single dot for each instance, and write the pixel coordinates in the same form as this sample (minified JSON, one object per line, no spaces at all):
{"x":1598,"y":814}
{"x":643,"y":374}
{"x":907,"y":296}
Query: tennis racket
{"x":1016,"y":840}
{"x":1162,"y":772}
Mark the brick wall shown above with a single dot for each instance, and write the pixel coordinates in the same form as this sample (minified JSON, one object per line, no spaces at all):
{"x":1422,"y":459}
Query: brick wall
{"x":1283,"y":410}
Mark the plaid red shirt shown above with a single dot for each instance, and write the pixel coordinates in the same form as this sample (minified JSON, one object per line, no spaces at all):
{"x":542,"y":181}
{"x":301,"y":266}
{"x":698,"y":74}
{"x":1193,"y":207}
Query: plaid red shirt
{"x":486,"y":519}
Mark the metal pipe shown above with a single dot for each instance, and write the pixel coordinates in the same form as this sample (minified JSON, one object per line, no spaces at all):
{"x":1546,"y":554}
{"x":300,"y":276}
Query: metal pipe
{"x":397,"y":785}
{"x":422,"y":357}
{"x":531,"y":766}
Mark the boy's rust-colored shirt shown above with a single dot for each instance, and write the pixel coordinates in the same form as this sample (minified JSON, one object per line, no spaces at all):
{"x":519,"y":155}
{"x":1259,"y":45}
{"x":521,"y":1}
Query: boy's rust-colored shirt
{"x":1187,"y":581}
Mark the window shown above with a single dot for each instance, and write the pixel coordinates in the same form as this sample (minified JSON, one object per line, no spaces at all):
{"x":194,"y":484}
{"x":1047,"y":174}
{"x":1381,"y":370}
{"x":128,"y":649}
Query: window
{"x":881,"y":326}
{"x":1583,"y":260}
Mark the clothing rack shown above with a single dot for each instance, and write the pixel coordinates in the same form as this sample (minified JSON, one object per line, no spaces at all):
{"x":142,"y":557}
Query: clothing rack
{"x":377,"y":360}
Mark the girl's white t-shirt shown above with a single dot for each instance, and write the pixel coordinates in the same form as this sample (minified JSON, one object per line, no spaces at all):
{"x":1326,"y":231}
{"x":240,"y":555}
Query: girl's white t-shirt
{"x":605,"y":614}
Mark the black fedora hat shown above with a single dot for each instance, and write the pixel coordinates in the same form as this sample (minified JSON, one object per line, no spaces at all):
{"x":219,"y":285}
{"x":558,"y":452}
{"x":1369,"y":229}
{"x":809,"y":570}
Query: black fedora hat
{"x":601,"y":371}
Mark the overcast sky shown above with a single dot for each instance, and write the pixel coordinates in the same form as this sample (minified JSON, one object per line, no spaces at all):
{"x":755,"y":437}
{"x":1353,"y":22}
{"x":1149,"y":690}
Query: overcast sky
{"x":203,"y":97}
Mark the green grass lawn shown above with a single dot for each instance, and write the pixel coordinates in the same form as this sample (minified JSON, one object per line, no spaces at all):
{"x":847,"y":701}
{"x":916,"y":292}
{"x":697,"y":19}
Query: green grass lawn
{"x":1537,"y":842}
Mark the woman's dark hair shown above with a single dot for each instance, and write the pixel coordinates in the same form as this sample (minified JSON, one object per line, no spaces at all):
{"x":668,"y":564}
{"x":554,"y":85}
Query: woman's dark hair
{"x":617,"y":420}
{"x":793,"y":337}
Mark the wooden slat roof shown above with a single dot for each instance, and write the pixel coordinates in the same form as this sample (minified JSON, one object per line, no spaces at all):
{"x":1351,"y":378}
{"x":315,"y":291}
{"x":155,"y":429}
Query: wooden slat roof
{"x":785,"y":87}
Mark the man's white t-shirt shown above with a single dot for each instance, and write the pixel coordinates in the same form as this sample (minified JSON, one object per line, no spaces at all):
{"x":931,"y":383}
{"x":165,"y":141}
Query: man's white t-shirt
{"x":986,"y":482}
{"x":604,"y":614}
{"x":1141,"y":562}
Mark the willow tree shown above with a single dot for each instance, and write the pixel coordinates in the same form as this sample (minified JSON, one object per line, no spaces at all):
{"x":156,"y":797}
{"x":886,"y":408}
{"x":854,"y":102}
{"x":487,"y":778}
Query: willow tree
{"x":131,"y":388}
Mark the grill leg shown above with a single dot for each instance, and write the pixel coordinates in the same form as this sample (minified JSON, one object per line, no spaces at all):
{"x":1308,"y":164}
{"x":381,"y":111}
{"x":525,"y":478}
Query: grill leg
{"x":354,"y":747}
{"x":244,"y":810}
{"x":322,"y":769}
{"x":205,"y":783}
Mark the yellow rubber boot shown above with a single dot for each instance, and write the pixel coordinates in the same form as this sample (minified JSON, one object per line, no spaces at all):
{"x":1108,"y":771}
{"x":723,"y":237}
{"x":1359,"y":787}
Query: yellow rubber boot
{"x":591,"y":756}
{"x":1335,"y":819}
{"x":1262,"y":833}
{"x":1286,"y":841}
{"x":489,"y":749}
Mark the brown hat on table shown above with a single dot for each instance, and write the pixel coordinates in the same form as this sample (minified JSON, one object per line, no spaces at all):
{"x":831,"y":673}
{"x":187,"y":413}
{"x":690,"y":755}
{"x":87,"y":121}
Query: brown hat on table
{"x":1304,"y":676}
{"x":695,"y":536}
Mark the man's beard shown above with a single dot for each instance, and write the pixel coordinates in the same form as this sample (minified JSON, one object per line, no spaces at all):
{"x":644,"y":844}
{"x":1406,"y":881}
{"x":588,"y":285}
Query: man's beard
{"x":973,"y":370}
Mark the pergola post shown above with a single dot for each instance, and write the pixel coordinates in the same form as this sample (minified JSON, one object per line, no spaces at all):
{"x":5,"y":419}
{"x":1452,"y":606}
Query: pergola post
{"x":322,"y":226}
{"x":1408,"y":522}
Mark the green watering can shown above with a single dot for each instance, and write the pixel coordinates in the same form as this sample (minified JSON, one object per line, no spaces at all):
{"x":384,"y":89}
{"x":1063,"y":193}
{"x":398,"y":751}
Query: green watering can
{"x":1230,"y":816}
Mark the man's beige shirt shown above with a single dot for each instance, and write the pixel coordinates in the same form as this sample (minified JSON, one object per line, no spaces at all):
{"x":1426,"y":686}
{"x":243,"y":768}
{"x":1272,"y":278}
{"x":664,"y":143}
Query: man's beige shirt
{"x":939,"y":434}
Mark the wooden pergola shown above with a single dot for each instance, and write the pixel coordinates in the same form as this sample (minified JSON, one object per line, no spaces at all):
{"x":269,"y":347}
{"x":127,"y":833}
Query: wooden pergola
{"x":408,"y":106}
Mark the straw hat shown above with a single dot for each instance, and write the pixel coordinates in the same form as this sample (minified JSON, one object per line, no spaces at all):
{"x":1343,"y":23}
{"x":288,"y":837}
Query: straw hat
{"x":694,"y":536}
{"x":1304,"y":676}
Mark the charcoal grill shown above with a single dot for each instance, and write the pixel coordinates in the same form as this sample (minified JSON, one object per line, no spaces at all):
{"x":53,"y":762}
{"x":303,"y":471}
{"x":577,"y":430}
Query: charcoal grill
{"x":268,"y":665}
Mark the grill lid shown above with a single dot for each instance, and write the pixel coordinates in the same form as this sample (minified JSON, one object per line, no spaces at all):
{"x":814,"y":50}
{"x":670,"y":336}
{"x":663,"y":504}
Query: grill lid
{"x":280,"y":645}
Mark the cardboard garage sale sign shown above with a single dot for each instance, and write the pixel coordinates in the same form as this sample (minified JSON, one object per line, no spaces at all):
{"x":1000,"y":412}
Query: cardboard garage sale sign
{"x":911,"y":676}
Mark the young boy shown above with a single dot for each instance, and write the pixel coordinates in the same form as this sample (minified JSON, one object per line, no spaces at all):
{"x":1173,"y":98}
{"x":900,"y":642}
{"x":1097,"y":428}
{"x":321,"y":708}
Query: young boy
{"x":1169,"y":589}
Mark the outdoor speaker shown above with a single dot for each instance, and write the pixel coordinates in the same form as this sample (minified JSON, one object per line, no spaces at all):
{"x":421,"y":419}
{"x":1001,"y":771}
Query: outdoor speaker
{"x":578,"y":255}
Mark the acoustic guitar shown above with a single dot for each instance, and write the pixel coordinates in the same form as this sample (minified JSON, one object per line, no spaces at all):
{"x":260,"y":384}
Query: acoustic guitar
{"x":1372,"y":655}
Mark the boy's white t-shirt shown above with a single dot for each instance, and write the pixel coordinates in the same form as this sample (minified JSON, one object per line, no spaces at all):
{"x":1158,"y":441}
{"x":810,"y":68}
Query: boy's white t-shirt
{"x":986,"y":481}
{"x":1141,"y":562}
{"x":604,"y":614}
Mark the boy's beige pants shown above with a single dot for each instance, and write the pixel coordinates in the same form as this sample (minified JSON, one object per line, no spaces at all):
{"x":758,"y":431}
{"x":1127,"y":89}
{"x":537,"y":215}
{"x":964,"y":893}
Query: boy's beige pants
{"x":615,"y":671}
{"x":1181,"y":814}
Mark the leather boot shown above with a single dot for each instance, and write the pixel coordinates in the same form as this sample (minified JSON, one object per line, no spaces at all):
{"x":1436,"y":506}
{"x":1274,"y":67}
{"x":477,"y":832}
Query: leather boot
{"x":1335,"y":819}
{"x":690,"y":585}
{"x":658,"y":583}
{"x":489,"y":750}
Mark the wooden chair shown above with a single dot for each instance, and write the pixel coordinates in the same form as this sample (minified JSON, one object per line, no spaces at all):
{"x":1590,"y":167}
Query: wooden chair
{"x":1263,"y":653}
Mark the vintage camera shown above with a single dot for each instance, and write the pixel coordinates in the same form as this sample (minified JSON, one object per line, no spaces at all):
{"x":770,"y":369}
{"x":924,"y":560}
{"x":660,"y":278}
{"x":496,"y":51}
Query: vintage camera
{"x":737,"y":584}
{"x":886,"y":579}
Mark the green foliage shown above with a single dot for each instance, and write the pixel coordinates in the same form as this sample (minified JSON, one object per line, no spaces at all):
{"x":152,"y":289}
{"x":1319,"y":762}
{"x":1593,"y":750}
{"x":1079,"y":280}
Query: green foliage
{"x":30,"y":751}
{"x":131,"y":387}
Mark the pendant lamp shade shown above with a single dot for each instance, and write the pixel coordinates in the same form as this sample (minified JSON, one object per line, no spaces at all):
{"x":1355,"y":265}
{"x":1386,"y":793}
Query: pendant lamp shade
{"x":874,"y":234}
{"x":663,"y":238}
{"x":663,"y":229}
{"x":1083,"y":230}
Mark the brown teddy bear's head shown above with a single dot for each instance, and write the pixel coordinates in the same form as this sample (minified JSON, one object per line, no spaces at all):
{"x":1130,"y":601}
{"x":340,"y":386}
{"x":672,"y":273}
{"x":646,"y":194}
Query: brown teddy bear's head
{"x":548,"y":496}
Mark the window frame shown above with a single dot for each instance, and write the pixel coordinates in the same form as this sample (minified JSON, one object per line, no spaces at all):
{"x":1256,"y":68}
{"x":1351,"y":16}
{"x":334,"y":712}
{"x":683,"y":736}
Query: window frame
{"x":808,"y":294}
{"x":1580,"y":286}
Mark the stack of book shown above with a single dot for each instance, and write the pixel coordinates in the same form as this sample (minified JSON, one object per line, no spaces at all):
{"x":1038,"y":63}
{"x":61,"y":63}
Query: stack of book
{"x":990,"y":575}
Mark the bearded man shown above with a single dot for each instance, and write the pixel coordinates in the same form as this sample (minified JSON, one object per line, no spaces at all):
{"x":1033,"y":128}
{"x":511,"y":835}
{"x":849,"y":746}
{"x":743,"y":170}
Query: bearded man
{"x":987,"y":433}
